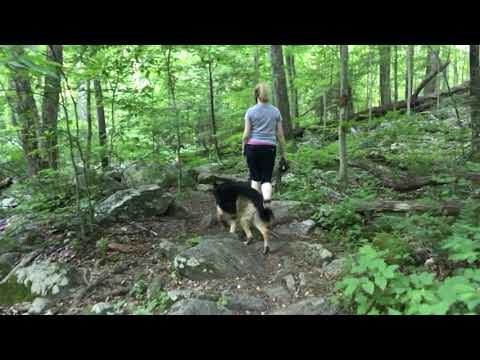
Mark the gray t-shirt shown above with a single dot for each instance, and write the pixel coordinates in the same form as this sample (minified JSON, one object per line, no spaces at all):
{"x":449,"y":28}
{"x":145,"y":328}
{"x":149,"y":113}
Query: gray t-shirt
{"x":264,"y":119}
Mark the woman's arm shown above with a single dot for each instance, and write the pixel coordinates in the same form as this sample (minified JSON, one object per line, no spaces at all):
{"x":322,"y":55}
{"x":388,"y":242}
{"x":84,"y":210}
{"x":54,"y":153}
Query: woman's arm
{"x":281,"y":140}
{"x":246,"y":134}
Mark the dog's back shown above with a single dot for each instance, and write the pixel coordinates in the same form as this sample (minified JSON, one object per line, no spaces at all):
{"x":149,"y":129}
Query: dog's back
{"x":240,"y":201}
{"x":231,"y":195}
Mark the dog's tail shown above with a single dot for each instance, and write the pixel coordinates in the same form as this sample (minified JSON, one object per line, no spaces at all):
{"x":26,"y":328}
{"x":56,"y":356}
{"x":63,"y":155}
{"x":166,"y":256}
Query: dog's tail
{"x":265,"y":213}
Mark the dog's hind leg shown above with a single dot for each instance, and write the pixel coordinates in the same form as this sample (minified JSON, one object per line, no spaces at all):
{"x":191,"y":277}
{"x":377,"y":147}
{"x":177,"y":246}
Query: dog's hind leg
{"x":263,"y":228}
{"x":233,"y":226}
{"x":245,"y":223}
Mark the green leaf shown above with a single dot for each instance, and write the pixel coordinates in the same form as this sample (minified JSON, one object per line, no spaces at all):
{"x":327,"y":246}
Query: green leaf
{"x":393,"y":312}
{"x":369,"y":287}
{"x":381,"y":282}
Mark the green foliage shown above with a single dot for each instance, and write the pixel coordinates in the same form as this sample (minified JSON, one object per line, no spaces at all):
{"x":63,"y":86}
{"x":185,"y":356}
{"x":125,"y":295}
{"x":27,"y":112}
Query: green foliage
{"x":373,"y":287}
{"x":147,"y":306}
{"x":102,"y":245}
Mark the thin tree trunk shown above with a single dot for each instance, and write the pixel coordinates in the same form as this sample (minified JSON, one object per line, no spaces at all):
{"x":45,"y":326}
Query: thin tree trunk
{"x":173,"y":103}
{"x":50,"y":107}
{"x":395,"y":79}
{"x":369,"y":87}
{"x":455,"y":70}
{"x":212,"y":110}
{"x":76,"y":171}
{"x":409,"y":87}
{"x":280,"y":88}
{"x":91,"y":211}
{"x":290,"y":60}
{"x":88,"y":151}
{"x":324,"y":117}
{"x":344,"y":100}
{"x":256,"y":64}
{"x":102,"y":128}
{"x":475,"y":102}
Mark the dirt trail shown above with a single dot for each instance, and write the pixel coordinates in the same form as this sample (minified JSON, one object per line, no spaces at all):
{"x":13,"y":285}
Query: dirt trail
{"x":133,"y":258}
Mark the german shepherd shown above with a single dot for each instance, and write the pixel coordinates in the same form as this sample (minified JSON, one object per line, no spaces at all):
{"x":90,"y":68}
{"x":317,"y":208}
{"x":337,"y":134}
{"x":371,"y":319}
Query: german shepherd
{"x":238,"y":201}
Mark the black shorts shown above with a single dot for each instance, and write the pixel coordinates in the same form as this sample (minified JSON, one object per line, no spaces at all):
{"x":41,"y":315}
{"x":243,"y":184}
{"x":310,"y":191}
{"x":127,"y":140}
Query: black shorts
{"x":261,"y":160}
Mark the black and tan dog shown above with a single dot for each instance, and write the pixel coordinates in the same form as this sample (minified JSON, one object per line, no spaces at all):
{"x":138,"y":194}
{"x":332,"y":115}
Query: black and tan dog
{"x":239,"y":202}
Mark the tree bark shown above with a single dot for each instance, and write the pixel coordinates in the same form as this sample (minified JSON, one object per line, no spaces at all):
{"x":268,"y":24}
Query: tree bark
{"x":344,"y":102}
{"x":385,"y":88}
{"x":50,"y":107}
{"x":431,"y":72}
{"x":420,"y":104}
{"x":280,"y":88}
{"x":88,"y":151}
{"x":256,"y":64}
{"x":102,"y":128}
{"x":290,"y":60}
{"x":475,"y":102}
{"x":212,"y":110}
{"x":409,"y":73}
{"x":395,"y":78}
{"x":451,"y":208}
{"x":28,"y":117}
{"x":429,"y":79}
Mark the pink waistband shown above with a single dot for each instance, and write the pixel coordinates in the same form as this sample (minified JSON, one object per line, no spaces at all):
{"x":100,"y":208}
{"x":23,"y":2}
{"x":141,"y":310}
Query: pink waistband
{"x":258,"y":142}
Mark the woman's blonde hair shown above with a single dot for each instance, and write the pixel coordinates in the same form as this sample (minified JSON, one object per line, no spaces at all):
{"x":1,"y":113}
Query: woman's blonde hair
{"x":261,"y":93}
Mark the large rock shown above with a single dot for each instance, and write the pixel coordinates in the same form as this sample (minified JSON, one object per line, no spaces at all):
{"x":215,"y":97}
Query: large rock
{"x":168,"y":250}
{"x":287,"y":211}
{"x":242,"y":302}
{"x":312,"y":253}
{"x":334,"y":268}
{"x":278,"y":294}
{"x":39,"y":305}
{"x":198,"y":307}
{"x":8,"y":260}
{"x":218,"y":256}
{"x":310,"y":306}
{"x":46,"y":278}
{"x":103,"y":308}
{"x":295,"y":229}
{"x":144,"y":201}
{"x":141,"y":173}
{"x":19,"y":230}
{"x":8,"y":203}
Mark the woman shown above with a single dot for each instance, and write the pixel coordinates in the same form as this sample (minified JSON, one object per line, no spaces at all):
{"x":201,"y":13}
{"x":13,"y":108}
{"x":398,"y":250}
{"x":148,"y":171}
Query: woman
{"x":263,"y":129}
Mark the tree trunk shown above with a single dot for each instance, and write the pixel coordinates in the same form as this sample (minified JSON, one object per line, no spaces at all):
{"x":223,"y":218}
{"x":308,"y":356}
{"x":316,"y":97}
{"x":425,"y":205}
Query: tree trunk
{"x":50,"y":106}
{"x":293,"y":95}
{"x":102,"y":128}
{"x":475,"y":102}
{"x":28,"y":117}
{"x":344,"y":103}
{"x":395,"y":78}
{"x":432,"y":67}
{"x":212,"y":110}
{"x":11,"y":97}
{"x":88,"y":151}
{"x":280,"y":88}
{"x":409,"y":73}
{"x":385,"y":60}
{"x":256,"y":64}
{"x":451,"y":208}
{"x":369,"y":87}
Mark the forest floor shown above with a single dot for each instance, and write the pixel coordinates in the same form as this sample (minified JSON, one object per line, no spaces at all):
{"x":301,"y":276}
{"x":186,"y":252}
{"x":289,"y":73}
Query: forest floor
{"x":132,"y":258}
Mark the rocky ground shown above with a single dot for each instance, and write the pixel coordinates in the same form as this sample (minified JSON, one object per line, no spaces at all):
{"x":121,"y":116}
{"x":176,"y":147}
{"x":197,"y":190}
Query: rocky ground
{"x":185,"y":255}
